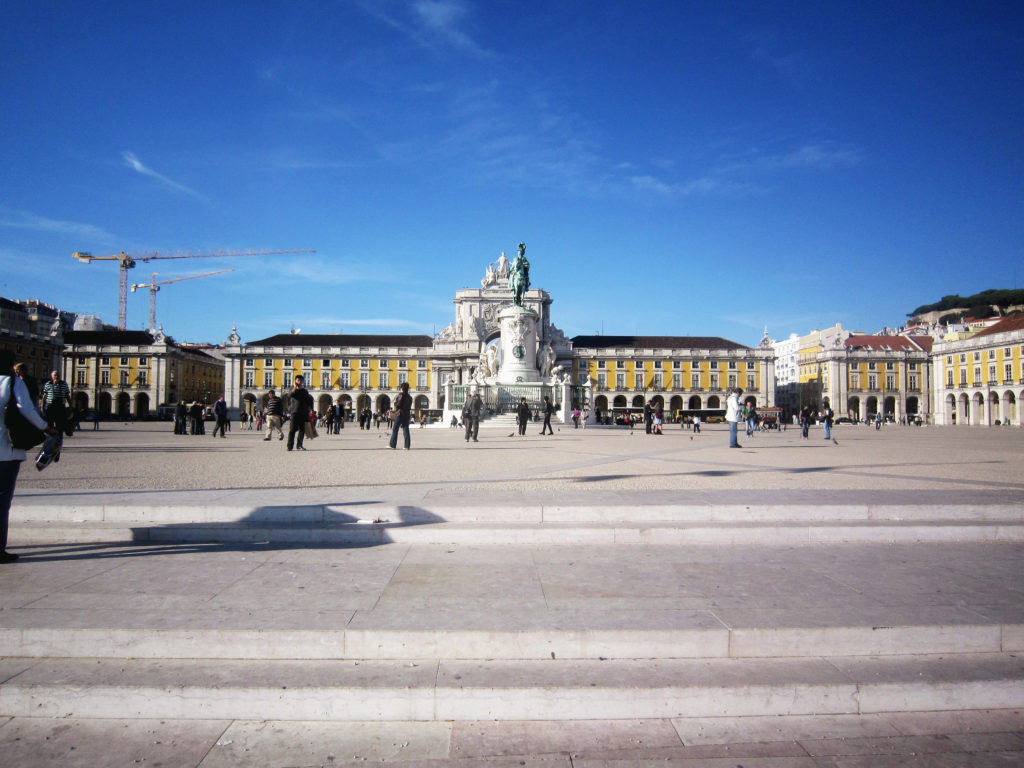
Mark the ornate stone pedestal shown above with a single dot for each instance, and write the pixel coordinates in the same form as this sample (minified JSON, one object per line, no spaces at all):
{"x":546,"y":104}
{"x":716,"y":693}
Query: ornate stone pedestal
{"x":518,"y":346}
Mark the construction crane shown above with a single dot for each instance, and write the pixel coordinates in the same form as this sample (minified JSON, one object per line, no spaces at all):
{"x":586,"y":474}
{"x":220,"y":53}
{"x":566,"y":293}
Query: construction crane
{"x":127,"y":261}
{"x":155,"y":284}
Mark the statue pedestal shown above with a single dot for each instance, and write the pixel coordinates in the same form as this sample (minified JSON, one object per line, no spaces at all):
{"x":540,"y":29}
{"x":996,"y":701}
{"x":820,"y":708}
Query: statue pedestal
{"x":518,"y":345}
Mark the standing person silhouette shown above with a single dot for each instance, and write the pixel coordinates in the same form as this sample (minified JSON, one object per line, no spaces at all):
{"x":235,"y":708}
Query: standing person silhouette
{"x":403,"y":412}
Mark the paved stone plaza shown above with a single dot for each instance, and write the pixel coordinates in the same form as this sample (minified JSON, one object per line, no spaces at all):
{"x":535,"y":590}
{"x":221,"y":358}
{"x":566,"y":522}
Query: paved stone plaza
{"x":146,"y":456}
{"x":596,"y":598}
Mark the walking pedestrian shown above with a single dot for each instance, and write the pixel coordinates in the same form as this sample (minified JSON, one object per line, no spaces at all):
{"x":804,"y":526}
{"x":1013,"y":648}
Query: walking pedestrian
{"x":548,"y":409}
{"x":220,"y":413}
{"x":56,"y":401}
{"x":403,"y":409}
{"x":471,"y":415}
{"x":274,"y":415}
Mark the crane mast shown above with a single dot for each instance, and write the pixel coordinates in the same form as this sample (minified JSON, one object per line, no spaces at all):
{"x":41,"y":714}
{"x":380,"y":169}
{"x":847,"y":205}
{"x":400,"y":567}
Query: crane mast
{"x":127,"y":261}
{"x":154,"y":286}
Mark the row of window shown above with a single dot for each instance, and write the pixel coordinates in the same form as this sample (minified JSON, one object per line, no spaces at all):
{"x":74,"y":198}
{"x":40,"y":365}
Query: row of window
{"x":992,"y":379}
{"x":307,"y":362}
{"x":677,"y":365}
{"x":640,"y":381}
{"x":1007,"y":354}
{"x":891,"y":382}
{"x":141,"y":379}
{"x":342,"y":381}
{"x":106,"y":361}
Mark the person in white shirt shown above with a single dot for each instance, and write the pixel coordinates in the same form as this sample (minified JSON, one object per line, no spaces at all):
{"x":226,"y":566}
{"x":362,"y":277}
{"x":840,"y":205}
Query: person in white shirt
{"x":733,"y":415}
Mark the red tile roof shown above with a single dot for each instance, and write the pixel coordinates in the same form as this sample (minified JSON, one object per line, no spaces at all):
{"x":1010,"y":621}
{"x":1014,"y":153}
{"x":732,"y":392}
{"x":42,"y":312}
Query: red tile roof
{"x":1013,"y":322}
{"x":887,"y":343}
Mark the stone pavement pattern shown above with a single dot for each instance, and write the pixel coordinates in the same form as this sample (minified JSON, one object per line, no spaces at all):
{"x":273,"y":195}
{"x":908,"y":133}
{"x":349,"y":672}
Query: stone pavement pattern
{"x":567,"y":649}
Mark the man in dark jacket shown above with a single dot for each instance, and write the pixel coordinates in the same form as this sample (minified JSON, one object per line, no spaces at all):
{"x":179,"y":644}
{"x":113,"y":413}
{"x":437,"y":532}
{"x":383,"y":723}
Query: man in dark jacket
{"x":471,"y":415}
{"x":522,"y":415}
{"x":180,"y":416}
{"x":220,"y":411}
{"x":195,"y":415}
{"x":548,"y":409}
{"x":299,"y":408}
{"x":403,"y":412}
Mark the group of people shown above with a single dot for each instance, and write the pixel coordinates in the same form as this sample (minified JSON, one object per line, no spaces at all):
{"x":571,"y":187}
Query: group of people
{"x":473,"y":410}
{"x":189,"y":419}
{"x":808,"y":416}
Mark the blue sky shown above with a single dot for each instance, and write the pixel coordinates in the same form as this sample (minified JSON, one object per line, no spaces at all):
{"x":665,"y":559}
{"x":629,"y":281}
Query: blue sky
{"x":679,"y":168}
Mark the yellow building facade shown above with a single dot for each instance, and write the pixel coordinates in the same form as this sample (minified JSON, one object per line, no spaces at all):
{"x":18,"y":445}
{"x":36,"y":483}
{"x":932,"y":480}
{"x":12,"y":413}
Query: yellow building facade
{"x":979,"y":381}
{"x":354,"y":371}
{"x":130,"y":373}
{"x":683,"y":375}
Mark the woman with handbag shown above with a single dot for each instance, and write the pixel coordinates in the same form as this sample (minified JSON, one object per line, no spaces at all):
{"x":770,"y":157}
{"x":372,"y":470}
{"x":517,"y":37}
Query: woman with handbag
{"x":13,"y":442}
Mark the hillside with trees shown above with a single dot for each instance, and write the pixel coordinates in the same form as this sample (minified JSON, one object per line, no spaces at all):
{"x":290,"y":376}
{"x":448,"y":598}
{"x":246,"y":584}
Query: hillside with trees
{"x":983,"y":303}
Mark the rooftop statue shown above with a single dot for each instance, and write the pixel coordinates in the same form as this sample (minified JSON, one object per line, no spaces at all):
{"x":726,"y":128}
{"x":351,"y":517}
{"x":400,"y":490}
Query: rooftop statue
{"x":519,"y":276}
{"x":497,"y":272}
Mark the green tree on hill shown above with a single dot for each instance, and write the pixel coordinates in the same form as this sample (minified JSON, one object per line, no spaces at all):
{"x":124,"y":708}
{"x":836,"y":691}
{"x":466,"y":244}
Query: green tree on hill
{"x":998,"y":298}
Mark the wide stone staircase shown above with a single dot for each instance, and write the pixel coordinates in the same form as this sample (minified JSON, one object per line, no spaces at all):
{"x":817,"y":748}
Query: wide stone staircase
{"x":470,"y":609}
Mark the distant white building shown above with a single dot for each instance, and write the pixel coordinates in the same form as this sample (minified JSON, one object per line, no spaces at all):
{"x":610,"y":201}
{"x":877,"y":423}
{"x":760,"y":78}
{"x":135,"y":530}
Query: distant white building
{"x":787,"y":364}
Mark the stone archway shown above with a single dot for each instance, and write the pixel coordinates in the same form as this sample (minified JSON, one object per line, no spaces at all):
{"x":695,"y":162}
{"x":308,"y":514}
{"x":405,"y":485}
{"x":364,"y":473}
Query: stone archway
{"x":949,"y":412}
{"x":362,"y":402}
{"x":80,"y":401}
{"x":383,"y":404}
{"x":1010,"y":408}
{"x":124,"y":405}
{"x":714,"y":402}
{"x":421,"y":403}
{"x":619,"y":402}
{"x":889,"y":411}
{"x":872,"y":408}
{"x":675,"y":405}
{"x":323,"y":403}
{"x":964,"y":410}
{"x":141,"y":405}
{"x":105,"y":405}
{"x":853,"y":408}
{"x":994,"y":411}
{"x":694,"y":404}
{"x":638,"y":401}
{"x":249,"y":403}
{"x":978,"y":408}
{"x":912,"y":407}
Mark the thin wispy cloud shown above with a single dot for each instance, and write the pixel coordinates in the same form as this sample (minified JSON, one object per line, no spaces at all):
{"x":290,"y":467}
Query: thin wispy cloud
{"x":794,"y":66}
{"x":752,"y":172}
{"x":87,"y":233}
{"x":443,"y":19}
{"x":133,"y":162}
{"x":433,"y":24}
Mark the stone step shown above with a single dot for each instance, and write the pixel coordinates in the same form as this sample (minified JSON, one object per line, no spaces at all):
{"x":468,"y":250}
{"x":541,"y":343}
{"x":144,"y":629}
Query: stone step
{"x":112,"y":508}
{"x":439,"y":690}
{"x":372,"y":532}
{"x":233,"y":635}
